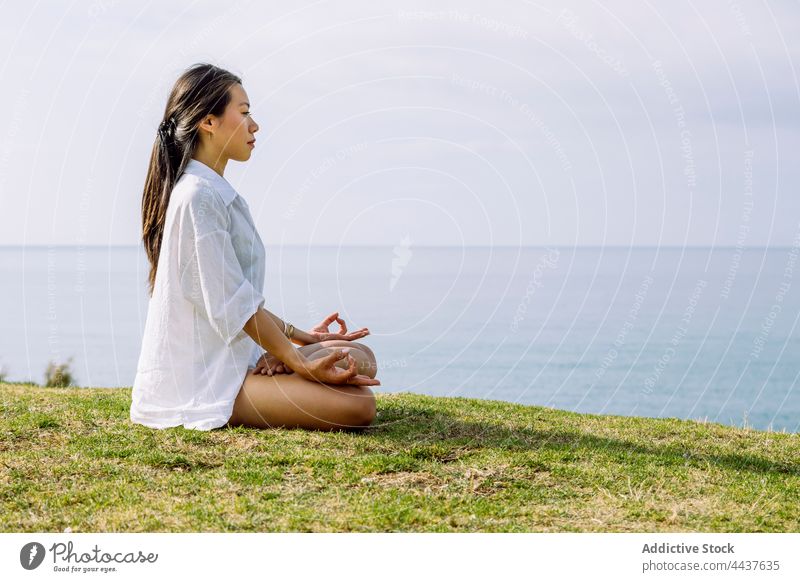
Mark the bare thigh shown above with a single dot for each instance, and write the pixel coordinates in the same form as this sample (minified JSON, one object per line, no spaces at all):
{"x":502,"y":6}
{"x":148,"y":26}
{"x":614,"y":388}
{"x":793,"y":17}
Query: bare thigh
{"x":291,"y":401}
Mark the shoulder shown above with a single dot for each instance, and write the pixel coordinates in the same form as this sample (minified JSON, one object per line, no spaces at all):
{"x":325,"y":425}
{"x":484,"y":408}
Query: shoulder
{"x":198,"y":206}
{"x":196,"y":193}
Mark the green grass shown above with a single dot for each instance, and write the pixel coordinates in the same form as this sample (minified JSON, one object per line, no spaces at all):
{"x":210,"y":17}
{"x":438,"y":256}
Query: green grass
{"x":72,"y":459}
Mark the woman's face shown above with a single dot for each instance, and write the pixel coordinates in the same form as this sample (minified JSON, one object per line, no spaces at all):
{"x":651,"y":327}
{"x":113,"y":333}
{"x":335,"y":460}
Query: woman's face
{"x":236,"y":130}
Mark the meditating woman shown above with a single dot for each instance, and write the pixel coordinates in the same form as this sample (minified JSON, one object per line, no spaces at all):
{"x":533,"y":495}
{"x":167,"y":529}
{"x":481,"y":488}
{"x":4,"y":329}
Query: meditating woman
{"x":203,"y":363}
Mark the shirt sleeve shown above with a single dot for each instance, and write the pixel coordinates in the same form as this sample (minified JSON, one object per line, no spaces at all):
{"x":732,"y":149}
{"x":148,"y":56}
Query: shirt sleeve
{"x":211,"y":277}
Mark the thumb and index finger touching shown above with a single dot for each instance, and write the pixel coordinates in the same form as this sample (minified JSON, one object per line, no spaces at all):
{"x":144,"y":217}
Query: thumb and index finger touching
{"x":339,"y":354}
{"x":331,"y":318}
{"x":335,"y":317}
{"x":351,"y":375}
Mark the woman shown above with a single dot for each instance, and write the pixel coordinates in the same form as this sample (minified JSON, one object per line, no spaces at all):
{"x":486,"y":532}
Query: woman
{"x":202,"y":364}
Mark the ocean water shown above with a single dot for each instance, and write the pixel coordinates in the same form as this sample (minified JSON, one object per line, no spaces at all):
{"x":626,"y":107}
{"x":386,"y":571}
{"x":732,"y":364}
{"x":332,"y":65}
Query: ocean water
{"x":694,"y":333}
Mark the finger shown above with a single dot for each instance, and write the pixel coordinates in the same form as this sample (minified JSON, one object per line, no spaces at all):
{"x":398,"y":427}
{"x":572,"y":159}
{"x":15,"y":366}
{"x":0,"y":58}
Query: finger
{"x":352,"y":369}
{"x":357,"y":334}
{"x":329,"y":320}
{"x":342,"y":375}
{"x":337,"y":355}
{"x":342,"y":324}
{"x":361,"y":380}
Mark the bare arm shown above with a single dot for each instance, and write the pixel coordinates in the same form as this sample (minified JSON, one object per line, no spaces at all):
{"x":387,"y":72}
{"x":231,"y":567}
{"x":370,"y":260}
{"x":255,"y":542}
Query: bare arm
{"x":266,"y":329}
{"x":299,"y":336}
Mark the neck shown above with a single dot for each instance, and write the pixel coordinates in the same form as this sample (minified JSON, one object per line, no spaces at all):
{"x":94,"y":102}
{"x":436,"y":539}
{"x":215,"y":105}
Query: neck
{"x":211,"y":159}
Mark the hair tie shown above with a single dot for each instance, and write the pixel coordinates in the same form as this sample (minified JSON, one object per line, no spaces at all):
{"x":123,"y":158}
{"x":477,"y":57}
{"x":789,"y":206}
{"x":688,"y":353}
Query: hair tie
{"x":166,"y":128}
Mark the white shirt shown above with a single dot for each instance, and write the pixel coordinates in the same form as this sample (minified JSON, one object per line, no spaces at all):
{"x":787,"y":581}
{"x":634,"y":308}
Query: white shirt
{"x":209,"y":282}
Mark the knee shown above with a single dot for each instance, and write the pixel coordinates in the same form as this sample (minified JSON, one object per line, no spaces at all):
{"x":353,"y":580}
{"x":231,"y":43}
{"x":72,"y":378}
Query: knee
{"x":364,"y":348}
{"x":364,"y":409}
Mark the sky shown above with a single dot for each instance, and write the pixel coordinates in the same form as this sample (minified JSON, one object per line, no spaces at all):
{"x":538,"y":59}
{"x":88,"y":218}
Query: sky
{"x":435,"y":123}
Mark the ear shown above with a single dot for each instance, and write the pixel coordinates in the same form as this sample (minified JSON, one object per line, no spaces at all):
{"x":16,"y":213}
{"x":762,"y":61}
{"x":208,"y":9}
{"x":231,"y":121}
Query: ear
{"x":208,"y":124}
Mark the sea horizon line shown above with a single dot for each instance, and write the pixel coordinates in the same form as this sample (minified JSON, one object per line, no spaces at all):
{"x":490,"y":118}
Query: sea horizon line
{"x":132,"y":246}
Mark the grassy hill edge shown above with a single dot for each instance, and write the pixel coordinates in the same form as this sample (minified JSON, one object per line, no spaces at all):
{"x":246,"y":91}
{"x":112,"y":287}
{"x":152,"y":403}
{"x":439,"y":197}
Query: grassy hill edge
{"x":71,"y":458}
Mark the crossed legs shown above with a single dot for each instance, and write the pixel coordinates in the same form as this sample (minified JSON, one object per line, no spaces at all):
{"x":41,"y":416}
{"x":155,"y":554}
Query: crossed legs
{"x":291,"y":401}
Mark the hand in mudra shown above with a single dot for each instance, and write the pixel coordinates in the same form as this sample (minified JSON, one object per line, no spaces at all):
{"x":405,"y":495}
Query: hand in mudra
{"x":321,"y":333}
{"x":269,"y":365}
{"x":326,"y":371}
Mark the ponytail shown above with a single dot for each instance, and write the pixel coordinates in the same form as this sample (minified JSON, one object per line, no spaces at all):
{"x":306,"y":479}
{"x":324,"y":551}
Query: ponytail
{"x":200,"y":91}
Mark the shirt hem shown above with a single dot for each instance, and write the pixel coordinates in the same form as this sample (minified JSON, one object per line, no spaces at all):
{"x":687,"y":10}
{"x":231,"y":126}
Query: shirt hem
{"x":205,"y":422}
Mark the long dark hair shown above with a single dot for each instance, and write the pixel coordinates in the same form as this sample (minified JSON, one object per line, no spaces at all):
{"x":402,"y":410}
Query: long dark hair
{"x":201,"y":90}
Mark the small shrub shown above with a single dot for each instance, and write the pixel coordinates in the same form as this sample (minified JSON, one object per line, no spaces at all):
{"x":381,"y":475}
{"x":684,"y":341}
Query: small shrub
{"x":3,"y":373}
{"x":58,"y":375}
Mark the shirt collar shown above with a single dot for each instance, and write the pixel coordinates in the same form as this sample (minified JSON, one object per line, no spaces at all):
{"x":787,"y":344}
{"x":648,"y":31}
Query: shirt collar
{"x":220,"y":184}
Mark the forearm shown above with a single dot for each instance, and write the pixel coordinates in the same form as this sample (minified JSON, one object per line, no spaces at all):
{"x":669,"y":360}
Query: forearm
{"x":266,"y":329}
{"x":298,"y":337}
{"x":303,"y":338}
